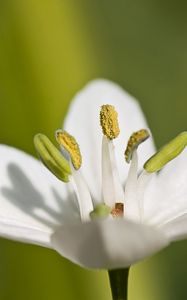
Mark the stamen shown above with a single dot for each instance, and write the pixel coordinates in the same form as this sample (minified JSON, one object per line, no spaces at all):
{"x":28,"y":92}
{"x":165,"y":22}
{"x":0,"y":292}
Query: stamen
{"x":69,"y":143}
{"x":111,"y":186}
{"x":108,"y":188}
{"x":109,"y":121}
{"x":134,"y":141}
{"x":83,"y":194}
{"x":131,"y":202}
{"x":166,"y":153}
{"x":51,"y":157}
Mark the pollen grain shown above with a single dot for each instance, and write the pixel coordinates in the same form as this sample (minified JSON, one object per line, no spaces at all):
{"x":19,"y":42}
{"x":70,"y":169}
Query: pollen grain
{"x":109,"y":121}
{"x":134,"y":141}
{"x":69,"y":143}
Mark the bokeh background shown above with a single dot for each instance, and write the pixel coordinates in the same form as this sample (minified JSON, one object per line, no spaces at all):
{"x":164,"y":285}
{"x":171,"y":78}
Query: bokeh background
{"x":49,"y":49}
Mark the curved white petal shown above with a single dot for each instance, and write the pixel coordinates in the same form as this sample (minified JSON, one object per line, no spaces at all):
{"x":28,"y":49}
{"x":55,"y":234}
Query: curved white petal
{"x":83,"y":122}
{"x":108,"y":244}
{"x":166,"y":197}
{"x":33,"y":203}
{"x":177,"y":228}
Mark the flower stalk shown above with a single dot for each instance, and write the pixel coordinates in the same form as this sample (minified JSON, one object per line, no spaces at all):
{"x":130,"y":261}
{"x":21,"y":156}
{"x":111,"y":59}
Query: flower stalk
{"x":119,"y":283}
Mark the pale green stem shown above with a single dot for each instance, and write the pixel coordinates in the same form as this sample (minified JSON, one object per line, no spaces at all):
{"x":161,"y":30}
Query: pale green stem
{"x":119,"y":283}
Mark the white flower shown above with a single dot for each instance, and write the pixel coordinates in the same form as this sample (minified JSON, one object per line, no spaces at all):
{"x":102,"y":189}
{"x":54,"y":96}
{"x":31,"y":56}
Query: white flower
{"x":36,"y":207}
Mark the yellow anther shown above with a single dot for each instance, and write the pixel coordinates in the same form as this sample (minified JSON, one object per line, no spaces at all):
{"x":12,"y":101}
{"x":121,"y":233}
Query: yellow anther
{"x":134,"y":141}
{"x":166,"y":153}
{"x":109,"y":121}
{"x":69,"y":143}
{"x":51,"y":157}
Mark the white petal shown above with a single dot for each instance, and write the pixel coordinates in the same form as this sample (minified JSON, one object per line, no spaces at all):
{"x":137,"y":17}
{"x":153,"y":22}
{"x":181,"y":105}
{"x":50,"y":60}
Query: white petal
{"x":166,"y":197}
{"x":83,"y":122}
{"x":33,"y":203}
{"x":107,"y":244}
{"x":176,"y":229}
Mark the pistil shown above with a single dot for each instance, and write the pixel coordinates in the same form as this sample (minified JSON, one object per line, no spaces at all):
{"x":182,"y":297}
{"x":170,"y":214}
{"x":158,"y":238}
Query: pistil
{"x":118,"y":210}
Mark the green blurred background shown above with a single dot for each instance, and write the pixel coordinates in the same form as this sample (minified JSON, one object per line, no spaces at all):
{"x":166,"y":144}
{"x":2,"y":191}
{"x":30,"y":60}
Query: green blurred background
{"x":48,"y":50}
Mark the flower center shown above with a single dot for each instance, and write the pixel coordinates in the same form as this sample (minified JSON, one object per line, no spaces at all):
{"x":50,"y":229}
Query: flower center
{"x":118,"y":210}
{"x":116,"y":202}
